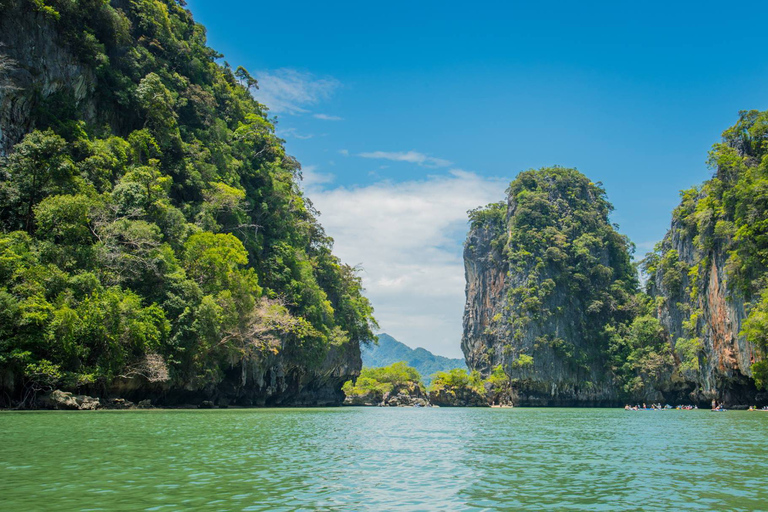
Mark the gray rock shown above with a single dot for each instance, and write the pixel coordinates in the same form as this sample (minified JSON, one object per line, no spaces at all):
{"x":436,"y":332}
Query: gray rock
{"x":119,"y":403}
{"x":145,"y":404}
{"x":65,"y":401}
{"x":87,"y":403}
{"x":60,"y":400}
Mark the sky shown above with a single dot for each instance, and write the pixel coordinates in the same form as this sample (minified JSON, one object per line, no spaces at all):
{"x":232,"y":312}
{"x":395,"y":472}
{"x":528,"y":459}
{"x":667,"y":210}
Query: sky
{"x":405,"y":115}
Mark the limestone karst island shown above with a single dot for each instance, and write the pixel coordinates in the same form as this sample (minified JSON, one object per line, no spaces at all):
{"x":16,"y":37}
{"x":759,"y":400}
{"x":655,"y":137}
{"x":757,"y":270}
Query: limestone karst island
{"x":407,"y":256}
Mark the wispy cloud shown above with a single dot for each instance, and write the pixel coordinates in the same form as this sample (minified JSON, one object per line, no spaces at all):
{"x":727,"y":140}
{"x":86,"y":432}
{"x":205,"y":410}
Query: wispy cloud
{"x":294,"y":133}
{"x":344,"y":152}
{"x":408,"y":238}
{"x":643,"y":248}
{"x":288,"y":91}
{"x":413,"y":157}
{"x":326,"y":117}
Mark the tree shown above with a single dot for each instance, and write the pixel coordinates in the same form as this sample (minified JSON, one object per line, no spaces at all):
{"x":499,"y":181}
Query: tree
{"x":39,"y":166}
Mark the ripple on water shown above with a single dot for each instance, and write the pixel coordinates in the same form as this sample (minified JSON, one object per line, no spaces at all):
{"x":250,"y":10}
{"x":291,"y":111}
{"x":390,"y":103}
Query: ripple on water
{"x":384,"y":459}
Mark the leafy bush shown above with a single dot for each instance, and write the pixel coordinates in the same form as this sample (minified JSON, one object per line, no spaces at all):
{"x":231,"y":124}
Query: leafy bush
{"x":378,"y":381}
{"x":458,"y":379}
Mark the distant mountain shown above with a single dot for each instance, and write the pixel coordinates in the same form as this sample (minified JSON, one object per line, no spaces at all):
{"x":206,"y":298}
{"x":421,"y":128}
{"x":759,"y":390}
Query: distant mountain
{"x":389,"y":351}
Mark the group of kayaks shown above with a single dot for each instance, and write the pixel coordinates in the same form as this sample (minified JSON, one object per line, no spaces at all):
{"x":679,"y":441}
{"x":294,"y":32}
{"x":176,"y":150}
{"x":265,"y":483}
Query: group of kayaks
{"x":659,"y":407}
{"x":653,"y":407}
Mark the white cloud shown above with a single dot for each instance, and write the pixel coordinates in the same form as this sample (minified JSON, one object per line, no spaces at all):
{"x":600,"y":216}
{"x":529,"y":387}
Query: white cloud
{"x":413,"y":157}
{"x":288,"y":91}
{"x":344,"y":152}
{"x":326,"y":117}
{"x":408,"y":238}
{"x":311,"y":179}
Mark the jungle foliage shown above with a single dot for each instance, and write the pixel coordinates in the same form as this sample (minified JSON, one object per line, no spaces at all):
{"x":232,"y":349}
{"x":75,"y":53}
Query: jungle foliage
{"x":165,"y":235}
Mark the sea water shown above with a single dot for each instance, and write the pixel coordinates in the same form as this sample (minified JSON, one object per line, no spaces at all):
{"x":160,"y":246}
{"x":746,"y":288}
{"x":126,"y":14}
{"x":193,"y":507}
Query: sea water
{"x":384,"y":459}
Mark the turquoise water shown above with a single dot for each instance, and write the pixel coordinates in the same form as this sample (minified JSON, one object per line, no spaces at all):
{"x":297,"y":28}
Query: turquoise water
{"x":384,"y":459}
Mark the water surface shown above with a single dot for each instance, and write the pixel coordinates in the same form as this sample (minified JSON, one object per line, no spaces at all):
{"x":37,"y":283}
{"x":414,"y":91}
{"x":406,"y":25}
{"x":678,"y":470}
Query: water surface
{"x":384,"y":459}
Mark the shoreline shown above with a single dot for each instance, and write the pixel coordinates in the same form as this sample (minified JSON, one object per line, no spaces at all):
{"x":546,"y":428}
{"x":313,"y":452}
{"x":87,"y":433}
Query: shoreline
{"x":736,"y":408}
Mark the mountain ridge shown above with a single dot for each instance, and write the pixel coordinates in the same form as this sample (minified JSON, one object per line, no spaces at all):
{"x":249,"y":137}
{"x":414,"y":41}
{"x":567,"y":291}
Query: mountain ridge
{"x":389,"y":350}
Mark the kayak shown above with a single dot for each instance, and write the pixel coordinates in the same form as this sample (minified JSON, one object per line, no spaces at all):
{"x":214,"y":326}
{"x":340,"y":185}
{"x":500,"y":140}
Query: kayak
{"x":719,"y":410}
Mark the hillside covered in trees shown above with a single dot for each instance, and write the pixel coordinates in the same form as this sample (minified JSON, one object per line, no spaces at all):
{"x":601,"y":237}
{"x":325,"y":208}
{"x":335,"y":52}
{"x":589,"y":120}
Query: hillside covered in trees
{"x":154,"y":241}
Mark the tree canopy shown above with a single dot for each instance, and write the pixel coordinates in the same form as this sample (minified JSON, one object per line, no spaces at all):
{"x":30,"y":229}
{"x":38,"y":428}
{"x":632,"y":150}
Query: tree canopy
{"x":159,"y":219}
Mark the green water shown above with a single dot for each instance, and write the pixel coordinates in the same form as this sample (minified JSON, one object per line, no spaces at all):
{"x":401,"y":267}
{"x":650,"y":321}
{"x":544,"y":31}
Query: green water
{"x":384,"y":459}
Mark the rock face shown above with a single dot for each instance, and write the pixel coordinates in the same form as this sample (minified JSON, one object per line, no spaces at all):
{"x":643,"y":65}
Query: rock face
{"x":708,"y":276}
{"x":465,"y":397}
{"x":274,"y":381}
{"x":404,"y":395}
{"x":547,"y":277}
{"x":720,"y":366}
{"x":35,"y":69}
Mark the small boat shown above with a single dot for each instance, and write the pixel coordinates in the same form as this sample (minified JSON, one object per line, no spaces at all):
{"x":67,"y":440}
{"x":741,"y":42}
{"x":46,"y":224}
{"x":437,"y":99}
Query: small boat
{"x":719,"y":410}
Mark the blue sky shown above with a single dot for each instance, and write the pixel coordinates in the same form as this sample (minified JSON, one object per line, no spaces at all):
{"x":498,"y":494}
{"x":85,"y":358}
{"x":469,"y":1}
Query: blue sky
{"x":406,"y":114}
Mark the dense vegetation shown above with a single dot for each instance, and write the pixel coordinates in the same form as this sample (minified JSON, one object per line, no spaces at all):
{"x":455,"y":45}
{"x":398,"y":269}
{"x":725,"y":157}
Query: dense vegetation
{"x":457,"y":387}
{"x":376,"y":382}
{"x":458,"y":379}
{"x":388,"y":350}
{"x":727,"y":215}
{"x":156,"y":228}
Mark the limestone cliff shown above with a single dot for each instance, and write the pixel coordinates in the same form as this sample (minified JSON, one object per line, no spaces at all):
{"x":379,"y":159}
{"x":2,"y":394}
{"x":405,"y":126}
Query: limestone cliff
{"x":548,"y":279}
{"x":709,"y":272}
{"x":714,"y":358}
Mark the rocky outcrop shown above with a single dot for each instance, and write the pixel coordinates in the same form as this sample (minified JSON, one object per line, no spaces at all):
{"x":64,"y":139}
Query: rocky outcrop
{"x":405,"y":395}
{"x":64,"y":401}
{"x":546,"y":277}
{"x":457,"y":397}
{"x":708,"y":276}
